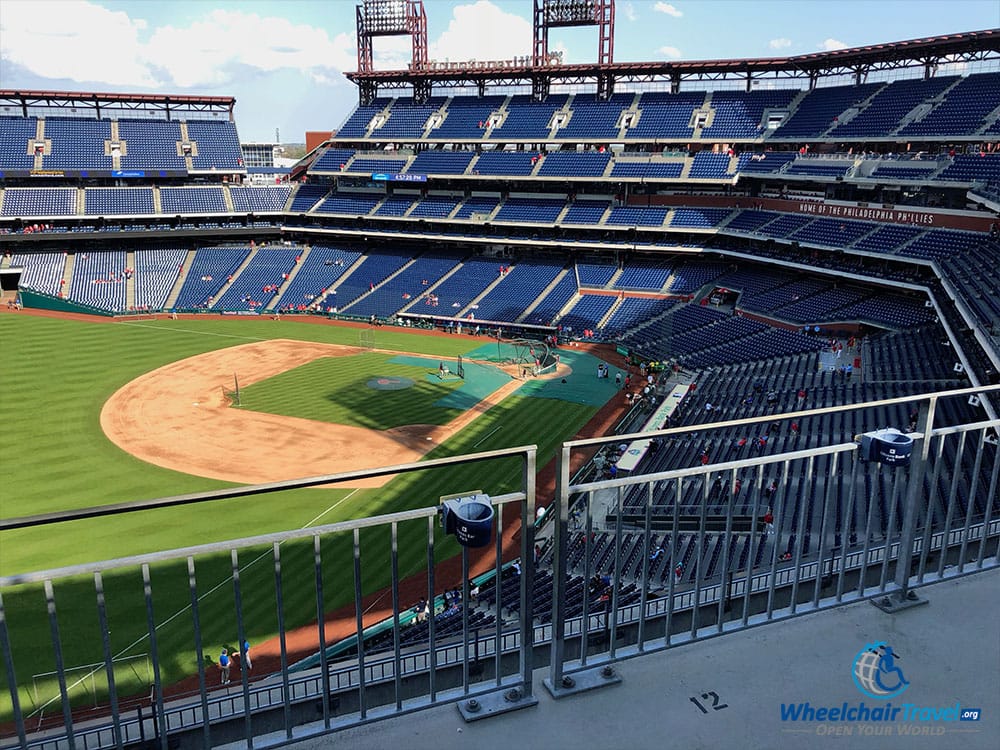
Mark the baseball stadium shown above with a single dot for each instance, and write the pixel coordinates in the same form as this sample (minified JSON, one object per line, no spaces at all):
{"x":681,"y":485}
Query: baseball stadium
{"x":532,"y":379}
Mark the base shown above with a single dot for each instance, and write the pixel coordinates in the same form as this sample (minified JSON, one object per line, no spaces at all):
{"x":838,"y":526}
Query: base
{"x":499,"y":701}
{"x":892,"y":603}
{"x":581,"y":682}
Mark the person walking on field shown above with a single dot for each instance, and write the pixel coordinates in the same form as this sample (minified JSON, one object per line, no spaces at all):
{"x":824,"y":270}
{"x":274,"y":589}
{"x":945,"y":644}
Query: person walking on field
{"x":245,"y":655}
{"x":224,"y":664}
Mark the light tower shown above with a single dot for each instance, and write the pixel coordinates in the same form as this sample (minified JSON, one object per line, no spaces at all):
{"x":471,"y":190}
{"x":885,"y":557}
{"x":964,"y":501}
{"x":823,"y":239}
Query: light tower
{"x":551,"y":14}
{"x":392,"y":18}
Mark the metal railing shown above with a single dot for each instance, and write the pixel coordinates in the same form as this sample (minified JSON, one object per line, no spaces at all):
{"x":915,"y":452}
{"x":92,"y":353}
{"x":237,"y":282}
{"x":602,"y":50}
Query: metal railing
{"x":840,"y":529}
{"x":374,"y":687}
{"x":855,"y":530}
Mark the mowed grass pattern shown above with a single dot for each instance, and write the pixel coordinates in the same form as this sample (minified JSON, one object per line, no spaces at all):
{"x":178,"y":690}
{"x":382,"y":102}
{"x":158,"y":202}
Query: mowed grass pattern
{"x":57,"y":375}
{"x":335,"y":389}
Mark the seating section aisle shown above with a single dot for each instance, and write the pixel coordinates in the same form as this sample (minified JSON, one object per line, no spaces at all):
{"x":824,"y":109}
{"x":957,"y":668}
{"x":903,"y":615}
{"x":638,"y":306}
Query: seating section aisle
{"x":156,"y":272}
{"x":740,"y":114}
{"x":458,"y":290}
{"x":587,"y":313}
{"x":821,"y":108}
{"x":208,"y":273}
{"x":371,"y":272}
{"x":259,"y":282}
{"x":319,"y":271}
{"x":359,"y":120}
{"x":519,"y":288}
{"x":664,"y":115}
{"x":548,"y":307}
{"x":434,"y":207}
{"x":307,"y":196}
{"x":885,"y":110}
{"x":391,"y":296}
{"x":408,"y":119}
{"x":332,"y":160}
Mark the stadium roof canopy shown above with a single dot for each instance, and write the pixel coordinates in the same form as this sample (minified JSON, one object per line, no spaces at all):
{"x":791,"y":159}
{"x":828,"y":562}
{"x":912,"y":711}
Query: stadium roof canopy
{"x":928,"y":53}
{"x":165,"y":105}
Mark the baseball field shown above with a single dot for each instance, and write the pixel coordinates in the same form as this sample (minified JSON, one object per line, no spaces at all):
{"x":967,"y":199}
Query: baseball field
{"x":95,"y":413}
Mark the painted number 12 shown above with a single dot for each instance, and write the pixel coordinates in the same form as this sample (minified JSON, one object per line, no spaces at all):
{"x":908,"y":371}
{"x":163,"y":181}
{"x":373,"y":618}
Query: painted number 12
{"x":716,"y":706}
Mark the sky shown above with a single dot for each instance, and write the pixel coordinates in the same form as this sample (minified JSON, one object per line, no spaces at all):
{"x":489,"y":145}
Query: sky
{"x":283,"y":60}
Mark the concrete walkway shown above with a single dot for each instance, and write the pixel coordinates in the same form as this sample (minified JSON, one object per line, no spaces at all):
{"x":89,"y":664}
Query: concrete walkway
{"x":949,"y":651}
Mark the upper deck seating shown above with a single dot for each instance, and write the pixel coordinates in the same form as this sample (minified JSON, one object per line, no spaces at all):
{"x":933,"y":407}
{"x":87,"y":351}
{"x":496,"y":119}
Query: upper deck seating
{"x":964,"y":109}
{"x":884,"y":112}
{"x":151,"y":144}
{"x":467,"y":117}
{"x":528,"y":119}
{"x":819,"y":109}
{"x":595,"y":119}
{"x":665,"y":115}
{"x":407,"y":119}
{"x":740,"y":114}
{"x":332,"y":160}
{"x":357,"y":123}
{"x":15,"y":135}
{"x":77,"y":143}
{"x":217,"y":144}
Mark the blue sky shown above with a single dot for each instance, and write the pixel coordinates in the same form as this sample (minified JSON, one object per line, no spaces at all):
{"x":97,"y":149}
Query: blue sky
{"x":284,"y":60}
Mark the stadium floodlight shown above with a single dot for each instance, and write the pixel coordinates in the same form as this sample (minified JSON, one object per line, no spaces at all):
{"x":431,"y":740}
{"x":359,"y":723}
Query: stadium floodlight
{"x":550,"y":14}
{"x":390,"y":18}
{"x":385,"y":16}
{"x":571,"y":12}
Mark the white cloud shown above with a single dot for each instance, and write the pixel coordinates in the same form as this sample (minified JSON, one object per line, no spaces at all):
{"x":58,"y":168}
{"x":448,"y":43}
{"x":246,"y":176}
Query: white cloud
{"x":79,"y":41}
{"x":832,"y":44}
{"x":482,"y":31}
{"x":628,"y":10}
{"x":671,"y":53}
{"x":84,"y":42}
{"x":780,"y":43}
{"x":670,"y":10}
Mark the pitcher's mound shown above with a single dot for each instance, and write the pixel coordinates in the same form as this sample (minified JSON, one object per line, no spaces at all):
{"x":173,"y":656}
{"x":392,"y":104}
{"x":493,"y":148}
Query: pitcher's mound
{"x":389,"y":383}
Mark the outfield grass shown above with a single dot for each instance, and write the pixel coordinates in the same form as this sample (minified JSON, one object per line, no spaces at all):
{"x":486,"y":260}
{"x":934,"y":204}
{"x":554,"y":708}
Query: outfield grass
{"x":55,"y":378}
{"x":335,"y":389}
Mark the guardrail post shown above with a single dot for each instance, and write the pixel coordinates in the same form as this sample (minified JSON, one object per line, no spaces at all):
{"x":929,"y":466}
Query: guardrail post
{"x":903,"y":597}
{"x":504,"y":699}
{"x":558,"y":683}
